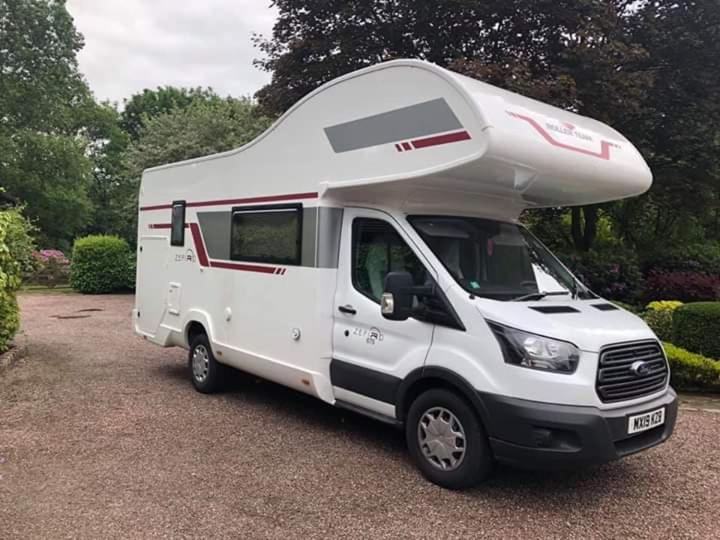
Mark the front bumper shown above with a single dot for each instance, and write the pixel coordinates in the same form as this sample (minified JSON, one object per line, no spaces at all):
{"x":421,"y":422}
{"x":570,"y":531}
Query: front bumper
{"x":540,"y":435}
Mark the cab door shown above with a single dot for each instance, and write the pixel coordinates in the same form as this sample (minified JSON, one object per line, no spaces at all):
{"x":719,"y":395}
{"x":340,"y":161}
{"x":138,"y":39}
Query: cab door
{"x":371,"y":354}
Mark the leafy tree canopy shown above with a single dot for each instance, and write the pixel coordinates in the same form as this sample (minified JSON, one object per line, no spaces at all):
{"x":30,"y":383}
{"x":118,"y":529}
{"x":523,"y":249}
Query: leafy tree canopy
{"x":204,"y":127}
{"x":43,"y":100}
{"x":648,"y":68}
{"x":151,"y":103}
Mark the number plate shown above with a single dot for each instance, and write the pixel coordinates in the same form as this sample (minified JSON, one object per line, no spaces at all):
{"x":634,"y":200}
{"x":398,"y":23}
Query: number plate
{"x":645,"y":421}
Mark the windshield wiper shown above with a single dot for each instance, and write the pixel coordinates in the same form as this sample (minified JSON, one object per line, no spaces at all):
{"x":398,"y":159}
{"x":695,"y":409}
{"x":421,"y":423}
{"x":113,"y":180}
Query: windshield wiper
{"x":540,"y":295}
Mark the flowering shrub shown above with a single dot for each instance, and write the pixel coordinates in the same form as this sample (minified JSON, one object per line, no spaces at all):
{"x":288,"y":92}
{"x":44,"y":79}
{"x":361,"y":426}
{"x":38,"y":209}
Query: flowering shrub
{"x":44,"y":255}
{"x":52,"y":268}
{"x":685,"y":286}
{"x":659,"y":317}
{"x":664,"y":305}
{"x":704,"y":257}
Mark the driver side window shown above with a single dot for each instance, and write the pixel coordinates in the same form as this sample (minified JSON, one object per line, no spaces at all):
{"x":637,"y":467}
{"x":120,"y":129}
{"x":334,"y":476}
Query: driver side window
{"x":377,"y":250}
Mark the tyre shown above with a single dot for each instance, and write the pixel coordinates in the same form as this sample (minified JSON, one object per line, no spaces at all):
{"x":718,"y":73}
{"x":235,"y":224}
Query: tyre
{"x":447,"y":440}
{"x":206,"y":373}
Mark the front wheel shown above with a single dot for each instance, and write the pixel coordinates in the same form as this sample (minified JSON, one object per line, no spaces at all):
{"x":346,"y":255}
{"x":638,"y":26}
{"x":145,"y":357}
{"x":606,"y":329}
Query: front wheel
{"x":447,"y":441}
{"x":205,"y":372}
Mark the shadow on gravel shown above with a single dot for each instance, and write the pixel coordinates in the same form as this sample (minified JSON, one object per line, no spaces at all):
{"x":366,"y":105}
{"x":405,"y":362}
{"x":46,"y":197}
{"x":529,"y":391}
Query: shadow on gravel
{"x":245,"y":389}
{"x":309,"y":412}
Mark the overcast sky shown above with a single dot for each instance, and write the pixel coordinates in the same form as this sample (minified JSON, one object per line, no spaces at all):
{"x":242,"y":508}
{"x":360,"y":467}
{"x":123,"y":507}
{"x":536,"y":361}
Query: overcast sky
{"x":135,"y":44}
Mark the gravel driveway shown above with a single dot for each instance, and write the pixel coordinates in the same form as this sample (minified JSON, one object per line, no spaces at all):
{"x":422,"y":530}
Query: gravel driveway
{"x":102,"y":435}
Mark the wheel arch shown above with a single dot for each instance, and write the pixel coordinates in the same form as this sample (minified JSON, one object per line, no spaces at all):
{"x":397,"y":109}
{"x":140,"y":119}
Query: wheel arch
{"x":426,"y":378}
{"x":196,"y":322}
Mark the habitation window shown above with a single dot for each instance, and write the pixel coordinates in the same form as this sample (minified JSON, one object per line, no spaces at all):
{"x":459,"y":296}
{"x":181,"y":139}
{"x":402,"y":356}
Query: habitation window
{"x":378,"y":250}
{"x":177,"y":231}
{"x":267,"y":234}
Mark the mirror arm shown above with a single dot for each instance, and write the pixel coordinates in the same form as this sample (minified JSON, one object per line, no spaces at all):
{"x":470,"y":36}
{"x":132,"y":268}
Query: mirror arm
{"x":424,"y":290}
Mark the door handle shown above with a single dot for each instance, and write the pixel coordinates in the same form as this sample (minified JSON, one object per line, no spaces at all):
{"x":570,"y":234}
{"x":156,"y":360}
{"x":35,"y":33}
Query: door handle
{"x":348,"y":309}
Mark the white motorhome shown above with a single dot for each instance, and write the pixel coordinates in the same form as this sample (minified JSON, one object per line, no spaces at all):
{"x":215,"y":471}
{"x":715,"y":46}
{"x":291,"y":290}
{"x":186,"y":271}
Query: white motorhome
{"x":366,"y":250}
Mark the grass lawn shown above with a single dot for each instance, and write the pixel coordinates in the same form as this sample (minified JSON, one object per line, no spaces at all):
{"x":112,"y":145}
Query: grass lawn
{"x":42,"y":289}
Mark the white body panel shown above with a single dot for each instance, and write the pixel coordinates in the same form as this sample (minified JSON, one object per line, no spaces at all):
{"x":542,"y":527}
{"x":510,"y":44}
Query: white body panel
{"x":393,"y":140}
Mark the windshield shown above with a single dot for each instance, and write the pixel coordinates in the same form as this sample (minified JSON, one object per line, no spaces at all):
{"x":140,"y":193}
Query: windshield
{"x":496,"y":260}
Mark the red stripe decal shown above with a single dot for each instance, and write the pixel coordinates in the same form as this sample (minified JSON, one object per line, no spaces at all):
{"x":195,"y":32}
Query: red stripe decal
{"x":398,"y":148}
{"x":441,"y":139}
{"x":203,"y":257}
{"x":248,"y":200}
{"x":244,"y":267}
{"x":164,"y":225}
{"x":406,"y":146}
{"x":604,"y":145}
{"x":199,"y":244}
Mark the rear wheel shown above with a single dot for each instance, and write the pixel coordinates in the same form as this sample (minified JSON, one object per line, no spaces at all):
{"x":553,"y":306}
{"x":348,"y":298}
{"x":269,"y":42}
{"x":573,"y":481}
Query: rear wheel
{"x":447,"y":440}
{"x":205,"y":372}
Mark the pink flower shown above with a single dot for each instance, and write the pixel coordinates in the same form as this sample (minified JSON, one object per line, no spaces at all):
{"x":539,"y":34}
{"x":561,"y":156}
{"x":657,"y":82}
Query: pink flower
{"x":45,"y":255}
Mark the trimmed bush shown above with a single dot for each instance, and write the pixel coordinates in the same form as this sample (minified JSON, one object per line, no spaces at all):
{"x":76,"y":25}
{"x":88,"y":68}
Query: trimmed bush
{"x":696,"y":327}
{"x":690,"y":371}
{"x":100,"y":264}
{"x":685,"y":286}
{"x":659,"y":317}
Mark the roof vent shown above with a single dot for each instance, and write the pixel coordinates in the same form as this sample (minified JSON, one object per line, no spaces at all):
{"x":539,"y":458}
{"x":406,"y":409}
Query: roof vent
{"x":605,"y":307}
{"x":555,"y":309}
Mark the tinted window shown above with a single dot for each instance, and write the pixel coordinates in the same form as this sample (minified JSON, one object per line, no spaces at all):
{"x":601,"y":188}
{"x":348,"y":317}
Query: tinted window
{"x":177,"y":233}
{"x":377,"y":250}
{"x":269,"y":235}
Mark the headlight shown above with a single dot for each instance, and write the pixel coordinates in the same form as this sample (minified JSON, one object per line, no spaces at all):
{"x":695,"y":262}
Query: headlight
{"x":536,"y":352}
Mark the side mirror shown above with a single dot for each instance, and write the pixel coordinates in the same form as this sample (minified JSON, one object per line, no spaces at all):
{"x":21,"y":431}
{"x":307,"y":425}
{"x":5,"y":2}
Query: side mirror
{"x":396,"y":301}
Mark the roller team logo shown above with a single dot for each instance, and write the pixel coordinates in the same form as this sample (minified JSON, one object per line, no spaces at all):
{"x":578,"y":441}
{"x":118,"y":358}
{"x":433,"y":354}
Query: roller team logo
{"x":550,"y":131}
{"x":568,"y":129}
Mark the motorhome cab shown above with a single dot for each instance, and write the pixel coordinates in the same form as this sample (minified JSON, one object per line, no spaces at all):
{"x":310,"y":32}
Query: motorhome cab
{"x":366,"y":250}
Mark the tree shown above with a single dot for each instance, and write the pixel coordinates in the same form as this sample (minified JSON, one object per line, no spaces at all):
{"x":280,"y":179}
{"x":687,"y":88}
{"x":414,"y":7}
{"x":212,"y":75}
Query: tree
{"x":110,"y":188}
{"x":678,"y":130}
{"x":151,"y":103}
{"x":201,"y":129}
{"x":650,"y":69}
{"x":42,"y":99}
{"x":40,"y":85}
{"x":205,"y":127}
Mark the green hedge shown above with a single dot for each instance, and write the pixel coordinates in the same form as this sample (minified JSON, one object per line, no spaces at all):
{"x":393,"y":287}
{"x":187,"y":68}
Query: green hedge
{"x":696,"y":327}
{"x":101,"y":264}
{"x":691,"y":371}
{"x":659,"y":317}
{"x":9,"y":318}
{"x":11,"y":222}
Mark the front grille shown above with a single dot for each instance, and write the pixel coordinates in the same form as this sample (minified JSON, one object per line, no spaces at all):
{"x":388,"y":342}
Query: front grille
{"x":617,"y":382}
